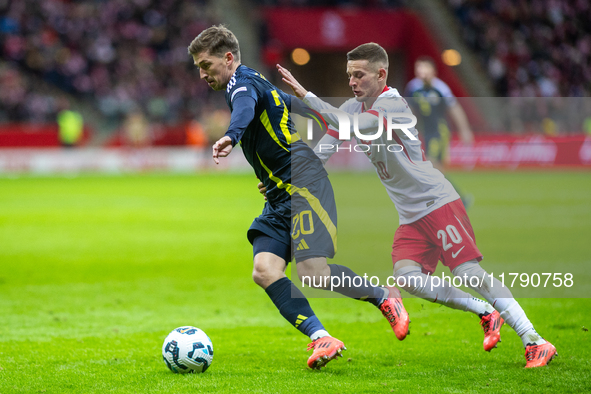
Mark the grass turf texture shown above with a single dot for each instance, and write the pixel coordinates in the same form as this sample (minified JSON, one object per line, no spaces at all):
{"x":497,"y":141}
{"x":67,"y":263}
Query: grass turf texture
{"x":95,"y":271}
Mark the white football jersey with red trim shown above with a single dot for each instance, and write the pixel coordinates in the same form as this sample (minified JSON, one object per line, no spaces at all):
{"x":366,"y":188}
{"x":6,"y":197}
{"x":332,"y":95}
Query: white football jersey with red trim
{"x":413,"y":184}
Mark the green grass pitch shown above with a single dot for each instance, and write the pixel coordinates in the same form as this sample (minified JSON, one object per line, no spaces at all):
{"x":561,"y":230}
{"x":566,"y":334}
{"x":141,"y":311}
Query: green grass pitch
{"x":96,"y":270}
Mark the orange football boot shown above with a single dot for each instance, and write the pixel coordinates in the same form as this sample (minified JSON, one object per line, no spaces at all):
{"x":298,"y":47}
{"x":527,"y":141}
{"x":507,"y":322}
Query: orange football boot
{"x":394,"y":311}
{"x":539,"y":355}
{"x":491,"y":325}
{"x":325,"y":350}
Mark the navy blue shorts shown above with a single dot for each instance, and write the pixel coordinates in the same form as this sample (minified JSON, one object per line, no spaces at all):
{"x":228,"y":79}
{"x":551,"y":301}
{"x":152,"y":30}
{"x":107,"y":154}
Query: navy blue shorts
{"x":306,"y":223}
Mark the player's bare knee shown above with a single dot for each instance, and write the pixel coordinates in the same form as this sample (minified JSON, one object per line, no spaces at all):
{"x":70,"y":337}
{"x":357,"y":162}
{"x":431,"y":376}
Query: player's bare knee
{"x":258,"y":277}
{"x":267,"y":269}
{"x":266,"y":278}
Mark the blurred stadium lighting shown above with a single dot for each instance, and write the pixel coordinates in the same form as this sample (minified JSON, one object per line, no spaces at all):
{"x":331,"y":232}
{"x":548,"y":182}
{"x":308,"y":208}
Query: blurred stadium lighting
{"x":300,"y":56}
{"x":451,"y":57}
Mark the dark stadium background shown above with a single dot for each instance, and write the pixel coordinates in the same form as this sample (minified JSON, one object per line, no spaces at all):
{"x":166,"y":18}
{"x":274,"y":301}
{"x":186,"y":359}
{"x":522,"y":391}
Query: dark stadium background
{"x":124,"y":67}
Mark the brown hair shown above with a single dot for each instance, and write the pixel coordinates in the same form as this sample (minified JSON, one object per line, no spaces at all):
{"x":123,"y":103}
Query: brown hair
{"x":371,"y":52}
{"x":217,"y":40}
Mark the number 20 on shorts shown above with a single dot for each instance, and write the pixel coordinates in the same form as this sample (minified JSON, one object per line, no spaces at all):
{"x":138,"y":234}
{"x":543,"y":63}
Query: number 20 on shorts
{"x":454,"y":235}
{"x":302,"y":224}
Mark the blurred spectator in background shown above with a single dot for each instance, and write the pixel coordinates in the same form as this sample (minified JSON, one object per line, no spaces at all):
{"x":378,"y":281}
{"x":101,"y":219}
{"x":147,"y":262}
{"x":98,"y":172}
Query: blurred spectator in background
{"x":21,"y":99}
{"x":531,"y":48}
{"x":119,"y":54}
{"x":70,"y":125}
{"x":335,"y":3}
{"x":136,"y":130}
{"x":215,"y":123}
{"x":196,"y":136}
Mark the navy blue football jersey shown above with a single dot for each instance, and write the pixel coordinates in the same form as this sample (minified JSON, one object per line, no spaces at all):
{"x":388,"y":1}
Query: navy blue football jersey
{"x":431,"y":102}
{"x":271,"y":143}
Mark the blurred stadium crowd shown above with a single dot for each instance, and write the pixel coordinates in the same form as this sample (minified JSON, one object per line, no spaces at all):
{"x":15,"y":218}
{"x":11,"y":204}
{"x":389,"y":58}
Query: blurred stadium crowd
{"x":531,"y":48}
{"x":128,"y":55}
{"x":333,"y":3}
{"x":128,"y":58}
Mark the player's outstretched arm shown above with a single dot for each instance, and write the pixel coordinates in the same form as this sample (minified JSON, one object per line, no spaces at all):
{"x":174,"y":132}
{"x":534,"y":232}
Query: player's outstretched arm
{"x":222,"y":148}
{"x":367,"y":123}
{"x":242,"y":114}
{"x":312,"y":101}
{"x":298,"y":90}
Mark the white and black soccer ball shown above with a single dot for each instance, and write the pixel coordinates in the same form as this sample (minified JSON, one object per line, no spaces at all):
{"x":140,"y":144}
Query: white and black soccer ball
{"x":187,"y":349}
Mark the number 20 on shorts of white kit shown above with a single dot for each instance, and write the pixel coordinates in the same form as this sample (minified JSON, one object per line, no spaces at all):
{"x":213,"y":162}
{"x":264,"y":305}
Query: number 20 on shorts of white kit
{"x":302,"y":224}
{"x":454,"y":236}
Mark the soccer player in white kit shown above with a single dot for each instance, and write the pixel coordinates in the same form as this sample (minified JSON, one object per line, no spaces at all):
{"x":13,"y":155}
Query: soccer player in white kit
{"x":434,"y":225}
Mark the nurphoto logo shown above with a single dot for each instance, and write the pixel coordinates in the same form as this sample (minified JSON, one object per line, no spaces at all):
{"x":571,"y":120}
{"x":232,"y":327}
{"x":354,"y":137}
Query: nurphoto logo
{"x":393,"y":120}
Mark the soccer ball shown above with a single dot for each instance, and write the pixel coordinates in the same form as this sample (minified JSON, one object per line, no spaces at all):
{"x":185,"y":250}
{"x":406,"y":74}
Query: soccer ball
{"x":187,"y":349}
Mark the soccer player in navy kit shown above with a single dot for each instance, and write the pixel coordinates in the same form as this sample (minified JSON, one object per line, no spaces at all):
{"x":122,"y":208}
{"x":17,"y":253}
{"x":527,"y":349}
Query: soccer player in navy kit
{"x":300,"y":212}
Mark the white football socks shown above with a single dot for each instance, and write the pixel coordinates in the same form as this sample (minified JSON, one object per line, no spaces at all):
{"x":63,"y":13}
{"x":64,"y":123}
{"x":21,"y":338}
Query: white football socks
{"x":442,"y":292}
{"x":515,"y":318}
{"x":478,"y":306}
{"x":319,"y":334}
{"x":501,"y":299}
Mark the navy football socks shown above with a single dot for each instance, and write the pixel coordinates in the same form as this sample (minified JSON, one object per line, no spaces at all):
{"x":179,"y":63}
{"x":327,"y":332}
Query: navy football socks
{"x":354,"y":286}
{"x":294,"y":306}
